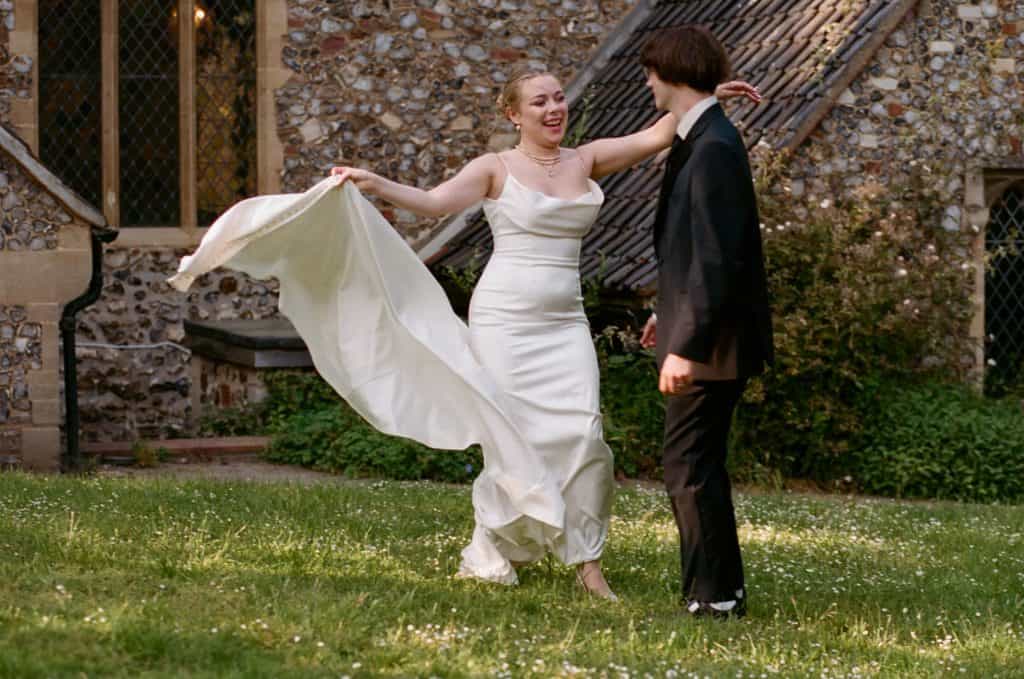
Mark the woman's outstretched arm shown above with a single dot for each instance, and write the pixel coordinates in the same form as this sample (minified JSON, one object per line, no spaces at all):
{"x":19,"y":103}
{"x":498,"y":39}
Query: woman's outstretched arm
{"x":471,"y":185}
{"x":612,"y":154}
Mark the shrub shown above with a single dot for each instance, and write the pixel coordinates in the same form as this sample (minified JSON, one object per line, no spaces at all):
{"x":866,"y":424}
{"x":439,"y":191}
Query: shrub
{"x":336,"y":438}
{"x":311,"y":425}
{"x":862,"y":289}
{"x":247,"y":420}
{"x":632,"y":408}
{"x":937,"y":440}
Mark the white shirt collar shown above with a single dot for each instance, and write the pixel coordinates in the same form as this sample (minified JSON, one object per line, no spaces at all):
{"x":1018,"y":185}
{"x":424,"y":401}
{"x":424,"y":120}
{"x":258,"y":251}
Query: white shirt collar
{"x":693,"y":115}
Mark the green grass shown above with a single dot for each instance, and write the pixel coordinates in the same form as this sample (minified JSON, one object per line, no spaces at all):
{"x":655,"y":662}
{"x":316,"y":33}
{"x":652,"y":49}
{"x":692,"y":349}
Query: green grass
{"x":156,"y":578}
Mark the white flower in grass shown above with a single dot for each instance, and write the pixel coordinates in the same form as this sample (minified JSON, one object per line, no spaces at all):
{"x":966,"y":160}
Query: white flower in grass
{"x":296,"y":638}
{"x":900,"y":273}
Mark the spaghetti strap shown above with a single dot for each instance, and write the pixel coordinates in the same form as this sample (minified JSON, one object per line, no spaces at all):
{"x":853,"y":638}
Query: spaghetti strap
{"x":504,"y":164}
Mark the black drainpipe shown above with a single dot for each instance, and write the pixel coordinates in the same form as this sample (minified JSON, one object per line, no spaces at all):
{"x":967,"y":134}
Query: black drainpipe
{"x":68,"y":324}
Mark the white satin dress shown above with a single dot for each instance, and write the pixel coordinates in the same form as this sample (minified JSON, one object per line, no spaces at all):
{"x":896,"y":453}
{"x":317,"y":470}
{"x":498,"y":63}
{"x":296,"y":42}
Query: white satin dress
{"x":522,"y":380}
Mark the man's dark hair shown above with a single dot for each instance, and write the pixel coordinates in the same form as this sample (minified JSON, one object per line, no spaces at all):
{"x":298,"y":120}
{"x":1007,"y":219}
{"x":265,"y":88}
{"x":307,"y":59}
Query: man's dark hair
{"x":687,"y":55}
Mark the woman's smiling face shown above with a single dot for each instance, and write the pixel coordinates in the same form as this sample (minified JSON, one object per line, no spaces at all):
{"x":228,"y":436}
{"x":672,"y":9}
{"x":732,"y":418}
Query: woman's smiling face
{"x":543,"y":111}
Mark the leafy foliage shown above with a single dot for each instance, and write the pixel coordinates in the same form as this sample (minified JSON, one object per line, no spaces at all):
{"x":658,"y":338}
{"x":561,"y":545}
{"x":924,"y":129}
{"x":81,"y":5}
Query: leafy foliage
{"x":314,"y":427}
{"x":863,"y":289}
{"x":941,"y":441}
{"x":337,"y":439}
{"x":632,"y":409}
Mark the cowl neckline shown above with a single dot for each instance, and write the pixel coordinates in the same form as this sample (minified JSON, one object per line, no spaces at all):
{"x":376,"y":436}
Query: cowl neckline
{"x":594,"y":191}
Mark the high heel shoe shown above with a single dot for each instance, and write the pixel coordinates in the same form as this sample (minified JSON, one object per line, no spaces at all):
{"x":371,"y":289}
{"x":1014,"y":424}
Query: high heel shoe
{"x":591,"y":579}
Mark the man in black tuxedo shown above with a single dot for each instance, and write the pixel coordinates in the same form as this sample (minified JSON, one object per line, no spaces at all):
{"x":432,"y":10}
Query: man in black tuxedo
{"x":712,"y":326}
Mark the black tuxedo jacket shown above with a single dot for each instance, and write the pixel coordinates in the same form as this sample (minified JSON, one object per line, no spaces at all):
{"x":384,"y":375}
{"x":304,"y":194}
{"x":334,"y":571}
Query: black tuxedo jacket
{"x":712,"y":290}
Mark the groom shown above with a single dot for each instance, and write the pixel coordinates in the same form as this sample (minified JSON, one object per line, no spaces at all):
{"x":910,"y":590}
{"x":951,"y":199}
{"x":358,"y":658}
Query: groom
{"x":713,"y":325}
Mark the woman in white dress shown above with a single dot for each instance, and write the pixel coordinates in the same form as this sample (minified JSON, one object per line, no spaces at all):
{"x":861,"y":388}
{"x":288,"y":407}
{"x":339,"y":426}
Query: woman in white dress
{"x":528,"y":331}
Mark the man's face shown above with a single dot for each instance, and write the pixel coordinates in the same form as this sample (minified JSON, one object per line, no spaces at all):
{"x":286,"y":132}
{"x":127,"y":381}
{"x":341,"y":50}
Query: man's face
{"x":658,"y":88}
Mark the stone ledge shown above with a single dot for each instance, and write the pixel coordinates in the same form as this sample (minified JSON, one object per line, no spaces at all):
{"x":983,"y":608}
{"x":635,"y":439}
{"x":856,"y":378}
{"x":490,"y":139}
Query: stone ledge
{"x":268,"y":343}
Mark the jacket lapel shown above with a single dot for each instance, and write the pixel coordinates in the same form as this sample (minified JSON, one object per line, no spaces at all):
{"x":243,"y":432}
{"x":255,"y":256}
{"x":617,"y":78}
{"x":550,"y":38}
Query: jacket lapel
{"x":677,"y":157}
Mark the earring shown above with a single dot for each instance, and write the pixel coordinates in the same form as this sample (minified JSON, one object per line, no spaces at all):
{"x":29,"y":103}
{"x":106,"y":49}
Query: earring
{"x":519,"y":128}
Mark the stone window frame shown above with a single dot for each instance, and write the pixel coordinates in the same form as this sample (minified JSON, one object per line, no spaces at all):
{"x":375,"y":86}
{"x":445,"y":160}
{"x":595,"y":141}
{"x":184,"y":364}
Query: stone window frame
{"x":271,"y":27}
{"x":983,"y":186}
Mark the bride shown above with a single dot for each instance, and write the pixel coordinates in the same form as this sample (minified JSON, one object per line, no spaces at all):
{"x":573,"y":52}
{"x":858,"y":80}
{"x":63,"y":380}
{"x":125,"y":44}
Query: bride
{"x":526,"y":321}
{"x":521,"y":380}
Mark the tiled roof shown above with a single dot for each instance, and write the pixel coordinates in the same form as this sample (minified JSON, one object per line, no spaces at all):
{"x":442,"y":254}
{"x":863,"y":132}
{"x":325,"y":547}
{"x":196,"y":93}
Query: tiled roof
{"x":801,"y":53}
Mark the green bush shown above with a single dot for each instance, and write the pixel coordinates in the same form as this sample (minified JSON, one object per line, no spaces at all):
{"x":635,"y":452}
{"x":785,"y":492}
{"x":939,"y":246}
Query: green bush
{"x":940,"y":441}
{"x":311,"y":425}
{"x":247,"y":420}
{"x":336,"y":438}
{"x":289,"y":392}
{"x":863,"y":289}
{"x":632,"y":408}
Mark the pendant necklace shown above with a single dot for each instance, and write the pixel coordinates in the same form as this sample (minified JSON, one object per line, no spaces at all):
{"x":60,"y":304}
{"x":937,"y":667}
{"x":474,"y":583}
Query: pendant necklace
{"x":548,"y":164}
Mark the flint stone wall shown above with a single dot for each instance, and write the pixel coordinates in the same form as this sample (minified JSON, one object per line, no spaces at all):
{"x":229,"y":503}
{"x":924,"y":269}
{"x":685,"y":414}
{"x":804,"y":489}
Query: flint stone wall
{"x":128,"y":393}
{"x":409,"y":89}
{"x":943,"y":97}
{"x":20,"y":352}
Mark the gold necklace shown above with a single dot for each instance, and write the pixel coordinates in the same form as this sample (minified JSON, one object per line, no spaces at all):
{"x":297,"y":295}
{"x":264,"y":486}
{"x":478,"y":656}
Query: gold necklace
{"x":547,"y":164}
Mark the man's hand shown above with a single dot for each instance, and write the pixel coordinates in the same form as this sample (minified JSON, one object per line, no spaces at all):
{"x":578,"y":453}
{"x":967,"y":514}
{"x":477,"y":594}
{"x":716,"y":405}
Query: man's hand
{"x":738,"y":88}
{"x":648,"y":336}
{"x":676,"y":374}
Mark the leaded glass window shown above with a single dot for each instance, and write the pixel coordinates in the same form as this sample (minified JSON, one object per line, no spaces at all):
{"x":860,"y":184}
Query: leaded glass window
{"x":138,"y":158}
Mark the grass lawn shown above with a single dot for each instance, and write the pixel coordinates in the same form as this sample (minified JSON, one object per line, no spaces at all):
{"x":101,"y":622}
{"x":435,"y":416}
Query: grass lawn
{"x":158,"y":578}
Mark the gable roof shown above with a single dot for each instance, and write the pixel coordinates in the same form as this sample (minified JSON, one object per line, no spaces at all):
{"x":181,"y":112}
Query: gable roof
{"x":802,"y":54}
{"x":16,"y":149}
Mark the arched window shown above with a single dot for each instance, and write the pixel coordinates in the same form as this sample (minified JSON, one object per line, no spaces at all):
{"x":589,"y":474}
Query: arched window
{"x":148,"y":107}
{"x":1004,"y":293}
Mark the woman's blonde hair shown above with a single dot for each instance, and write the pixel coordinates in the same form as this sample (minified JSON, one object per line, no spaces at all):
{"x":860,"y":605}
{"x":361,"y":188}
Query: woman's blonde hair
{"x":512,"y":93}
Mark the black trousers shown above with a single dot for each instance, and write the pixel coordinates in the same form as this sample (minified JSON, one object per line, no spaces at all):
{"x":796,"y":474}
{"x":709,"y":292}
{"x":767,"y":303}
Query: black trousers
{"x":697,"y":425}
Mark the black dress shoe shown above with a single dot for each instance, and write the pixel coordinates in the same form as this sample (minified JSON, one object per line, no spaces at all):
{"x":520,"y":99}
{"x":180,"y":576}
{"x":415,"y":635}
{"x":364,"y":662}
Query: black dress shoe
{"x":703,"y":609}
